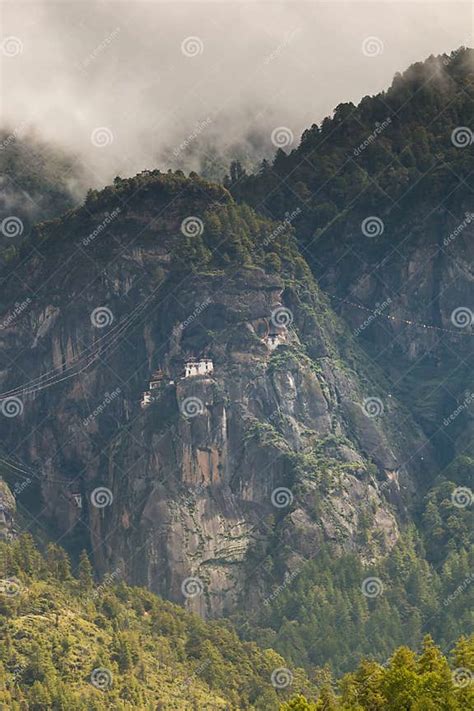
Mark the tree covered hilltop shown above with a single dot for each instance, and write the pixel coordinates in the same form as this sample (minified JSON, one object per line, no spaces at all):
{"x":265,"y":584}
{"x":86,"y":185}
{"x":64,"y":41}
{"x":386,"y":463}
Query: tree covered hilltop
{"x":73,"y":645}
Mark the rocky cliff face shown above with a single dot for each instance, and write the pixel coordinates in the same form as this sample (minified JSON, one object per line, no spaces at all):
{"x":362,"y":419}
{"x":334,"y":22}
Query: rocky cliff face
{"x":421,"y":332}
{"x":7,"y":512}
{"x":285,"y":445}
{"x":381,"y":195}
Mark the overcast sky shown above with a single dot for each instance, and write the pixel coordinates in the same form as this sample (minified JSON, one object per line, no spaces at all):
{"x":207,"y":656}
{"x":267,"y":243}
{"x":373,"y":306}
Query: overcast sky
{"x":129,"y":68}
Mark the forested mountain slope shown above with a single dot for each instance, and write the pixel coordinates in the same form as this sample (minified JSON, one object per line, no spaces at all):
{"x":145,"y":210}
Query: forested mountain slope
{"x":193,"y":488}
{"x":381,"y":195}
{"x":71,"y":645}
{"x":38,"y":181}
{"x":180,"y":397}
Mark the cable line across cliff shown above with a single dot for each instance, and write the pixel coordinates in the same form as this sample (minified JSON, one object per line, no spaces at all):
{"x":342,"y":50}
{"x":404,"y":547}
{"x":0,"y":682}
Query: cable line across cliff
{"x":84,"y":359}
{"x":417,"y":324}
{"x":89,"y":355}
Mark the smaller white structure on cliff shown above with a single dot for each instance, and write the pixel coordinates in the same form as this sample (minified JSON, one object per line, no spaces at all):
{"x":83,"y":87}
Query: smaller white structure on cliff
{"x":77,"y":498}
{"x":146,"y":398}
{"x":192,"y":367}
{"x":274,"y":339}
{"x":156,"y":379}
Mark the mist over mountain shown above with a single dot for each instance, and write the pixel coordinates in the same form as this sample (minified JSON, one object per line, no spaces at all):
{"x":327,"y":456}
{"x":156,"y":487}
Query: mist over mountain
{"x":216,"y":77}
{"x":38,"y":181}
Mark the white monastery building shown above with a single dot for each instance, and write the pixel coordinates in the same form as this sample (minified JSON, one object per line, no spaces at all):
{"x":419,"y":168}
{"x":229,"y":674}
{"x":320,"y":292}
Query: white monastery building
{"x":204,"y":366}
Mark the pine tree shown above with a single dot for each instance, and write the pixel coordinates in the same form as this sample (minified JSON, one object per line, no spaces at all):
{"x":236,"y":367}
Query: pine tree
{"x":58,"y":562}
{"x":299,"y":703}
{"x":85,"y":573}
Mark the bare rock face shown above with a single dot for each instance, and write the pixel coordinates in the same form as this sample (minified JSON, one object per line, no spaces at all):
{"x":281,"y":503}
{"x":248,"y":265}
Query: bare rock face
{"x":422,"y":330}
{"x":7,"y":512}
{"x":276,"y":451}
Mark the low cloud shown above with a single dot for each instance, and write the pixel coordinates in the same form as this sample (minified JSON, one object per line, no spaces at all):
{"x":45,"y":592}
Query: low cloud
{"x":193,"y":84}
